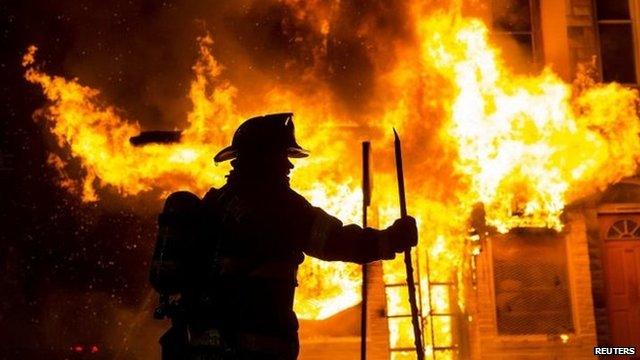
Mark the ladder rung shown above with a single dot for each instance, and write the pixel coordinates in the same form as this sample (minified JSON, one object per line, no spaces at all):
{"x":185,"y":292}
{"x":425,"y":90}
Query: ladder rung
{"x":395,"y":285}
{"x":399,"y":316}
{"x":403,"y":349}
{"x":437,"y":283}
{"x":442,"y":314}
{"x":443,"y":348}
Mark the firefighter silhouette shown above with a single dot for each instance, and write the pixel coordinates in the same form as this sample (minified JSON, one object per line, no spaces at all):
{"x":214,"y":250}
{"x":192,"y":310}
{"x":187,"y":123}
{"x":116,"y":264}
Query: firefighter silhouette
{"x":225,"y":266}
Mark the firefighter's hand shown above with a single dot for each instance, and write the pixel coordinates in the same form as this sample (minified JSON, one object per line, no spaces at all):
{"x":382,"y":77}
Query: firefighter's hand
{"x":403,"y":234}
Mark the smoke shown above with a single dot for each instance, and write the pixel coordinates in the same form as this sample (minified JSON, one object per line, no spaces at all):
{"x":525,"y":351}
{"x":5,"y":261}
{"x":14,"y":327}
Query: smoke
{"x":140,"y":53}
{"x":352,"y":66}
{"x":140,"y":56}
{"x":346,"y":54}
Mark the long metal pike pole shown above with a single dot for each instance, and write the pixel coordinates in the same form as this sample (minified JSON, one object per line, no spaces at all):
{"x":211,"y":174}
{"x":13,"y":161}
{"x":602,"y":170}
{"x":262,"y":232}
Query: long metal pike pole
{"x":407,"y":254}
{"x":366,"y":201}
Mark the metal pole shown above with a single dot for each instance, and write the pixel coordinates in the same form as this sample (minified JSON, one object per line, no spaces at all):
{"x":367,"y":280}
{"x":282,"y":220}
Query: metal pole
{"x":433,"y":338}
{"x":366,"y":201}
{"x":407,"y":254}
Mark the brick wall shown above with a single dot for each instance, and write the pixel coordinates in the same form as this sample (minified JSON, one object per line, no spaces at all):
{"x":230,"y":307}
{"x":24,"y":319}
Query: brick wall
{"x":377,"y":329}
{"x":487,"y":344}
{"x":338,"y":337}
{"x":597,"y":276}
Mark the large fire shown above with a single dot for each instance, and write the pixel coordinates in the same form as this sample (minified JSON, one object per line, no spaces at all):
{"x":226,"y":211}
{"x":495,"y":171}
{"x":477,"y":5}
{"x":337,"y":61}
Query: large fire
{"x":474,"y":132}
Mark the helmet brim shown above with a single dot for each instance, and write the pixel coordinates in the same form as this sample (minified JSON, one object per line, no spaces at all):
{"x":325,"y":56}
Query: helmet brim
{"x":225,"y":154}
{"x":230,"y":153}
{"x":297,"y":152}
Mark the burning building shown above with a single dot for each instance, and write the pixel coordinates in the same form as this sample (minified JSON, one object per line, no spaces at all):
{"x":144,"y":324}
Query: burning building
{"x":521,"y":137}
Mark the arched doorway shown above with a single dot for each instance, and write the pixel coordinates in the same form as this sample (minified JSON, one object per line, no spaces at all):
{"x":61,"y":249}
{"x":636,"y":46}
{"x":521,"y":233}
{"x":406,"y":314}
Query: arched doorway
{"x":619,"y":222}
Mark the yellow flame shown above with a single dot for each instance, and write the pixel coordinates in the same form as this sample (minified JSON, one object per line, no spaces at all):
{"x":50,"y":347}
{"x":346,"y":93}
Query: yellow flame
{"x":529,"y":145}
{"x":473,"y":131}
{"x":98,"y":136}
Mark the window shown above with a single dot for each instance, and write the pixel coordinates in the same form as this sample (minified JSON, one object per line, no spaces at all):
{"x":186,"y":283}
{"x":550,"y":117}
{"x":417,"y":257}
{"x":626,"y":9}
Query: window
{"x":616,"y":41}
{"x":531,"y":283}
{"x":514,"y":24}
{"x":623,"y":229}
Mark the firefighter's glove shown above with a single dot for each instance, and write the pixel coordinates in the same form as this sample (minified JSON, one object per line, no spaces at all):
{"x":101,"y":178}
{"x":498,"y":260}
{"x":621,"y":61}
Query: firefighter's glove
{"x":400,"y":236}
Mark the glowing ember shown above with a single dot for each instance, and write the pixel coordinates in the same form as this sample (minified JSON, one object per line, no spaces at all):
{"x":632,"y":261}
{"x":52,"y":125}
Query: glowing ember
{"x":473,"y":131}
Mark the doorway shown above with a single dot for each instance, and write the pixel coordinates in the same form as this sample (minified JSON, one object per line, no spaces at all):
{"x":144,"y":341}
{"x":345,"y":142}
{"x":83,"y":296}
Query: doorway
{"x":620,"y":235}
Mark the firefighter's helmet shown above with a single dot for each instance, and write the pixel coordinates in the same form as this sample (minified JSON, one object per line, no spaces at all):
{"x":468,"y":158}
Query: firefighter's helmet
{"x":264,"y":134}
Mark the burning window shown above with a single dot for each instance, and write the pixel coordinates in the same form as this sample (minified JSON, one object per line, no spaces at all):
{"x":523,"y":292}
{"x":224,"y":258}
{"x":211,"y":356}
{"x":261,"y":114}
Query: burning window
{"x":531,"y":286}
{"x":616,"y":41}
{"x":514,"y":24}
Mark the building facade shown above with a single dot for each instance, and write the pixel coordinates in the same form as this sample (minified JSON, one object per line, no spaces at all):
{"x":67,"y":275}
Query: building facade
{"x":547,"y":295}
{"x":535,"y":293}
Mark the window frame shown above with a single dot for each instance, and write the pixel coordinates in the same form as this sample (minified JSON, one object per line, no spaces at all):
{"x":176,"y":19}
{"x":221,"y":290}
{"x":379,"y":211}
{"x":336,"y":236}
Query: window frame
{"x":621,"y":236}
{"x":534,"y":337}
{"x":537,"y":46}
{"x":634,"y":16}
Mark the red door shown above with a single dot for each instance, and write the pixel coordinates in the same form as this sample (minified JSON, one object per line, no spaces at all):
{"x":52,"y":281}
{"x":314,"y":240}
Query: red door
{"x":622,"y":280}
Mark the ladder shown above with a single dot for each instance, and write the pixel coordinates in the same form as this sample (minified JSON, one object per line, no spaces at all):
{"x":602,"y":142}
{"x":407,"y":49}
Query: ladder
{"x":401,"y":344}
{"x":443,"y":344}
{"x":441,"y":315}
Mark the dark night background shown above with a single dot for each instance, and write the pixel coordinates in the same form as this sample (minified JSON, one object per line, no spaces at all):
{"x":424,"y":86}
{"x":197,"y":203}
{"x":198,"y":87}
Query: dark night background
{"x":75,"y":273}
{"x":72,"y":273}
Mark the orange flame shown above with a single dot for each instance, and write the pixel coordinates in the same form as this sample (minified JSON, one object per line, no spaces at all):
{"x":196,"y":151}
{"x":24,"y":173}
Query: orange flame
{"x":529,"y":145}
{"x":474,"y":132}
